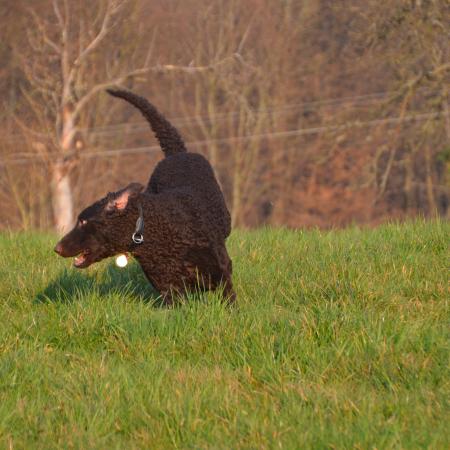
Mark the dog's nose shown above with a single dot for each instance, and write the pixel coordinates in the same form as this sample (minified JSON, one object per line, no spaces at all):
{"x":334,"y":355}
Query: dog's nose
{"x":58,"y":248}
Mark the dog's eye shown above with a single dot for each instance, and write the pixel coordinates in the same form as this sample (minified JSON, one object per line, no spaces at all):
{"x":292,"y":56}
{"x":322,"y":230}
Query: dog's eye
{"x":83,"y":222}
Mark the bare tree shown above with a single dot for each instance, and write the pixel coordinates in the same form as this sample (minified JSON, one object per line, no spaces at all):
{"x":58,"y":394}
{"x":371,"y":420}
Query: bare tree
{"x":234,"y":106}
{"x":61,"y":65}
{"x":73,"y":53}
{"x":298,"y":104}
{"x":421,"y":68}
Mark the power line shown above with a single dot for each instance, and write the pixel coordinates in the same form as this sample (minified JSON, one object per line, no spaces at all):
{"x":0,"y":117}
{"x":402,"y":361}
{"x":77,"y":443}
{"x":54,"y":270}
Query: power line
{"x":113,"y":129}
{"x":181,"y":121}
{"x":306,"y":106}
{"x":271,"y":135}
{"x":184,"y":121}
{"x":143,"y":126}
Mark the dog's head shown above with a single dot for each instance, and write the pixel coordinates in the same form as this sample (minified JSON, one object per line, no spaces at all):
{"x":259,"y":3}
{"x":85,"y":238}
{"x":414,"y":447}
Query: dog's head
{"x":102,"y":229}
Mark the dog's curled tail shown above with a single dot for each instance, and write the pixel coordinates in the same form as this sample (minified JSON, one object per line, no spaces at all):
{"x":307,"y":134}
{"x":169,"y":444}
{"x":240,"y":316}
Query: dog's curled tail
{"x":168,"y":136}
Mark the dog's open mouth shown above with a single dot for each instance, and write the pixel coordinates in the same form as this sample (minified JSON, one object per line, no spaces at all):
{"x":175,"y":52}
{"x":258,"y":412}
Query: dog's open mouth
{"x":82,"y":260}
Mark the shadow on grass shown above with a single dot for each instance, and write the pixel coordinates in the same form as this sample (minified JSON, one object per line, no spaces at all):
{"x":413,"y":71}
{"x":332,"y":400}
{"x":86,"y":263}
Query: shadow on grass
{"x":73,"y":285}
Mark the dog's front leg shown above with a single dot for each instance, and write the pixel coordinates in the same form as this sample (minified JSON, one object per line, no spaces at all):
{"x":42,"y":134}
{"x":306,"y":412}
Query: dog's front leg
{"x":167,"y":297}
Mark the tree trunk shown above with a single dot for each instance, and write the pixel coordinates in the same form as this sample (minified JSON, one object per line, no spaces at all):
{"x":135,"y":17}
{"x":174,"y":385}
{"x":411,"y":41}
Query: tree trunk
{"x":62,"y":198}
{"x":432,"y":206}
{"x":61,"y":188}
{"x":236,"y":199}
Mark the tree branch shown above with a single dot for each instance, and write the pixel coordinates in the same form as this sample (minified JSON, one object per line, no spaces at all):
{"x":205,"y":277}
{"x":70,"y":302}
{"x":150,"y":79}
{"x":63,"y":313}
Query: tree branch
{"x":42,"y":30}
{"x":142,"y":71}
{"x":61,"y":21}
{"x":194,"y":69}
{"x":112,"y":9}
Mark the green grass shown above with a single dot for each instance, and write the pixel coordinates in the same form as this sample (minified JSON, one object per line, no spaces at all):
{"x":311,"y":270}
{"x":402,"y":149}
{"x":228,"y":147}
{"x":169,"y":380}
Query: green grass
{"x":339,"y":340}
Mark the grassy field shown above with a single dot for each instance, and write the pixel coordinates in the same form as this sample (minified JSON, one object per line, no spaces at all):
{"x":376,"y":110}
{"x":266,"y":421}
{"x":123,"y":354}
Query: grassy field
{"x":339,"y":340}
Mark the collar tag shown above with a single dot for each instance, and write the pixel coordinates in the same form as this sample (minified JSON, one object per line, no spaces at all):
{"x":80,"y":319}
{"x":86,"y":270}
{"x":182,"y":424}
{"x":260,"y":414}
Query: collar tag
{"x":138,"y":235}
{"x":137,"y":238}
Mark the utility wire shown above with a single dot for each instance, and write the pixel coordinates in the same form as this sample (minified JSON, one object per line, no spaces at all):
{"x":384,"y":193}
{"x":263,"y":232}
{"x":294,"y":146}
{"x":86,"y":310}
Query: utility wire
{"x":272,"y":135}
{"x":308,"y":106}
{"x":364,"y":100}
{"x":134,"y":127}
{"x":184,"y":121}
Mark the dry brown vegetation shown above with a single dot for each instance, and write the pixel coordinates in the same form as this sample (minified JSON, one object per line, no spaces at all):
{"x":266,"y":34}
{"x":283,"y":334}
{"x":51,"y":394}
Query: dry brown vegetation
{"x":312,"y":112}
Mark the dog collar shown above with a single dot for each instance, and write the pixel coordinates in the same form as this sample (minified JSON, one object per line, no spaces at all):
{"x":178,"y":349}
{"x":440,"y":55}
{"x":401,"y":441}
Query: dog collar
{"x":138,"y":235}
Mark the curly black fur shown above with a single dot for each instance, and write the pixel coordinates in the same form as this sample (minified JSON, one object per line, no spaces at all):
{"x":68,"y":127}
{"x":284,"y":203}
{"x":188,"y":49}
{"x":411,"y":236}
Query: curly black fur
{"x":185,"y":215}
{"x":167,"y":135}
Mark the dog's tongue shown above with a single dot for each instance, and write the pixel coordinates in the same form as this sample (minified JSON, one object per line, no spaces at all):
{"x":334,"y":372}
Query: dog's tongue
{"x":79,"y":260}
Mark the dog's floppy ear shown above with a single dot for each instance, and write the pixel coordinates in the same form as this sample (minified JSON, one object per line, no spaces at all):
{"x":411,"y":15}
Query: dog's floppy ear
{"x":121,"y":198}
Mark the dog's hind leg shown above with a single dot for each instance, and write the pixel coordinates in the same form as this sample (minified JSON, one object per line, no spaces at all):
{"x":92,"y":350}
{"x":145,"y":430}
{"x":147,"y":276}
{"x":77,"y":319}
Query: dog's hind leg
{"x":167,"y":297}
{"x":229,"y":295}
